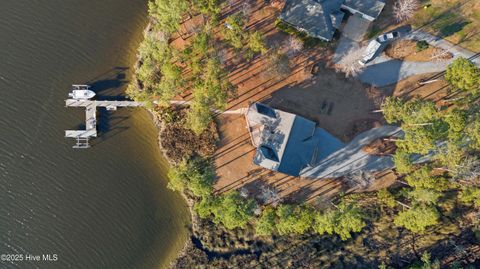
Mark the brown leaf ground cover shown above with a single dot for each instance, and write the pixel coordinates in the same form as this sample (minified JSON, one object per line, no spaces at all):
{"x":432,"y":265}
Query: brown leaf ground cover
{"x":350,"y":104}
{"x":407,"y":50}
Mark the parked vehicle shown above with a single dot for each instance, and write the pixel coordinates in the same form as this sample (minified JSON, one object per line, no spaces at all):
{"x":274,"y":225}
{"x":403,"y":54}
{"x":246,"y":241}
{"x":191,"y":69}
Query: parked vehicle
{"x":375,"y":45}
{"x":370,"y":51}
{"x":388,"y":36}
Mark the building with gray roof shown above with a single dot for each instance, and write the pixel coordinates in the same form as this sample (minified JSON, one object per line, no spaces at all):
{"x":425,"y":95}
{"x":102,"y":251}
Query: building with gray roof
{"x":321,"y":18}
{"x":286,"y":142}
{"x":368,"y":9}
{"x":295,"y":146}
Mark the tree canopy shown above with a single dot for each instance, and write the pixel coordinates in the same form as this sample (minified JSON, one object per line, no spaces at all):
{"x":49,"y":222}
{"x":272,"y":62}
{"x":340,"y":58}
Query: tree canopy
{"x":265,"y":225}
{"x":231,"y":209}
{"x":471,"y":196}
{"x":422,"y":178}
{"x":167,"y":14}
{"x":418,"y":218}
{"x":195,"y":175}
{"x":403,"y":161}
{"x":233,"y":31}
{"x":385,"y":197}
{"x":210,"y":8}
{"x":293,"y":219}
{"x":211,"y":92}
{"x":464,"y":75}
{"x":344,"y":220}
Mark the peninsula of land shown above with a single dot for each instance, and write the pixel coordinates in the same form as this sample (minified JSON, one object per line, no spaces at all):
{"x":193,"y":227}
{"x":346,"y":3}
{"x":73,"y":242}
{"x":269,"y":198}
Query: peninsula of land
{"x":318,"y":134}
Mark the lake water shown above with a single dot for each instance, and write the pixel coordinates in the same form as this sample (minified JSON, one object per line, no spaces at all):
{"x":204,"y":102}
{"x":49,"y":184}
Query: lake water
{"x":103,"y":207}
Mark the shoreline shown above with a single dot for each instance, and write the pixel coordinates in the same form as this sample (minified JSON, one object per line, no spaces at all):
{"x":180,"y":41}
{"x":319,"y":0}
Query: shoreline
{"x":189,"y":201}
{"x":159,"y":125}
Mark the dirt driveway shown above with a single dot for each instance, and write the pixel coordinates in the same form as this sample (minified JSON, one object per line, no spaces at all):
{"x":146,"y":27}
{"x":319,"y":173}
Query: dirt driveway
{"x":337,"y":104}
{"x":341,"y":106}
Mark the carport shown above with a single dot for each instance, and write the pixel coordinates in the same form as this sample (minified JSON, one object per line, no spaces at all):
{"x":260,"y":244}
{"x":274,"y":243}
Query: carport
{"x":356,"y":27}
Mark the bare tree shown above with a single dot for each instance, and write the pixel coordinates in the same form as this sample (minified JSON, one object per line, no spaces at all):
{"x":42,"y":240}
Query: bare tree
{"x":376,"y":95}
{"x":360,"y":179}
{"x":350,"y":63}
{"x":231,"y":3}
{"x":404,"y":9}
{"x":270,"y":195}
{"x":468,"y":170}
{"x":246,"y":9}
{"x":222,"y":55}
{"x":243,"y":192}
{"x":257,"y":211}
{"x":278,"y":64}
{"x":293,"y":45}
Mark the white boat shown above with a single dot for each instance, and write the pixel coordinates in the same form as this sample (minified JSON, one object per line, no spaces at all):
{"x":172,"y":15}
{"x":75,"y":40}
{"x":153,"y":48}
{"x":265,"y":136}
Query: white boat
{"x":81,"y":92}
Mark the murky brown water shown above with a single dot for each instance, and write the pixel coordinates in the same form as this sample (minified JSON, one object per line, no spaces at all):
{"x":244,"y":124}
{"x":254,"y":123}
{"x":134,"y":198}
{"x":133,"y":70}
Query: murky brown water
{"x":104,"y":207}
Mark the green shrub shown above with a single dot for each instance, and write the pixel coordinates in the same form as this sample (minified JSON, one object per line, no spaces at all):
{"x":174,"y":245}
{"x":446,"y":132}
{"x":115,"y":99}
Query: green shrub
{"x":422,"y":45}
{"x":196,"y":175}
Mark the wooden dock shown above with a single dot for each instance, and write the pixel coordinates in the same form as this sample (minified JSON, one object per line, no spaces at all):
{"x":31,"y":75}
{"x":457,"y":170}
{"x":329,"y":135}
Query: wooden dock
{"x":90,"y":106}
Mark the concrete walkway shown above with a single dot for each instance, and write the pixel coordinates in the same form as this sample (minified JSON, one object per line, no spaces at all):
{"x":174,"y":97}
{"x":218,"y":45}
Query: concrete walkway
{"x":456,"y":50}
{"x":385,"y":71}
{"x":352,"y":158}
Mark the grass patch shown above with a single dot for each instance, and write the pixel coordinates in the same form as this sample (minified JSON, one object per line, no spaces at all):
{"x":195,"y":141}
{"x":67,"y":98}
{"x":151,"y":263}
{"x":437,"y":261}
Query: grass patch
{"x":456,"y":21}
{"x":449,"y":24}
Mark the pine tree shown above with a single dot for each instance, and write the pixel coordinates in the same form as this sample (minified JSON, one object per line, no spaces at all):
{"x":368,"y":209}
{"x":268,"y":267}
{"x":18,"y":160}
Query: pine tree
{"x":462,"y":74}
{"x":265,"y":225}
{"x":167,"y":15}
{"x":418,"y":218}
{"x":293,"y":219}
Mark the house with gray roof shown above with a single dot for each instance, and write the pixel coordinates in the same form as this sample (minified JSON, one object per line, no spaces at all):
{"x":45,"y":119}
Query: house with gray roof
{"x":286,"y":142}
{"x":295,"y":146}
{"x":321,"y":18}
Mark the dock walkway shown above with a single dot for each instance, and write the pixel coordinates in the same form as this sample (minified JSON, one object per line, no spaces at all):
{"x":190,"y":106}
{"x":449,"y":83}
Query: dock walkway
{"x":90,"y":106}
{"x":83,"y":136}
